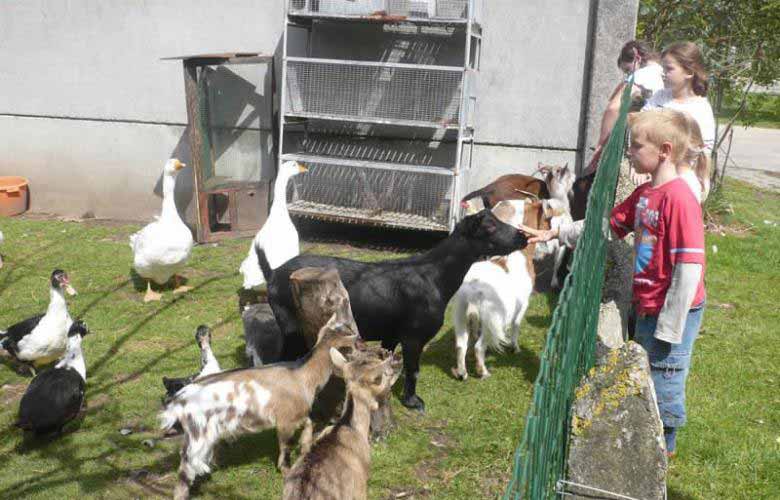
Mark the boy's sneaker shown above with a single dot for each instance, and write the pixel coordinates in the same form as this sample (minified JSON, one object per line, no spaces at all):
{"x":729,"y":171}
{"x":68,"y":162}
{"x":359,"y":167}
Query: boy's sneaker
{"x":670,"y":436}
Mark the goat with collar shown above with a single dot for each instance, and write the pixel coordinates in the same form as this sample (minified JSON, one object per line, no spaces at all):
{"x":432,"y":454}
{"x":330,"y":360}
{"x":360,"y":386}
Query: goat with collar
{"x":55,"y":396}
{"x":43,"y":338}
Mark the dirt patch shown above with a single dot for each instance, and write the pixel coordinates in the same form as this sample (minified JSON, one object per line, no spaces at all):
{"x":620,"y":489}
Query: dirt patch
{"x":123,"y":378}
{"x":10,"y":393}
{"x":98,"y":402}
{"x":145,"y":484}
{"x":734,"y":229}
{"x":86,"y":219}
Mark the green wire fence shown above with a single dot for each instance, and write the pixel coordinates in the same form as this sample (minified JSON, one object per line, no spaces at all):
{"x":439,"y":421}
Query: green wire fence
{"x":540,"y":460}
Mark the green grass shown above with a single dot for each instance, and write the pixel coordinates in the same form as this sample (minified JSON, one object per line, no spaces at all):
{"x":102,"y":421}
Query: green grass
{"x":463,"y":444}
{"x":461,"y":448}
{"x":762,"y":110}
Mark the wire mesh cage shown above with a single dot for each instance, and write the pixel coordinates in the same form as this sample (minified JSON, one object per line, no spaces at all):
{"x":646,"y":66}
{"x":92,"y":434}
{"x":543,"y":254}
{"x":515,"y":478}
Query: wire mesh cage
{"x":345,"y":191}
{"x":422,"y":9}
{"x":399,"y":93}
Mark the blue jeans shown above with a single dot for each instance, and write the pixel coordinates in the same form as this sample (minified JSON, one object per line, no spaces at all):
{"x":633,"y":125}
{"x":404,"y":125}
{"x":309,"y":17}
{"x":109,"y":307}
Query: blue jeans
{"x":669,"y":364}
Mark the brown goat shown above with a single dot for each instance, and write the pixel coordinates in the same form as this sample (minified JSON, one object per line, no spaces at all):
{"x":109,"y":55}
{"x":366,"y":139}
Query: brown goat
{"x":242,"y":401}
{"x":338,"y":464}
{"x":510,"y":187}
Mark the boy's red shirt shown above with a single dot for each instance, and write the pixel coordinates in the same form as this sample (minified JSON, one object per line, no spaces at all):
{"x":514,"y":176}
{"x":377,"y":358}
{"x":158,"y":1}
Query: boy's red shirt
{"x":668,"y":228}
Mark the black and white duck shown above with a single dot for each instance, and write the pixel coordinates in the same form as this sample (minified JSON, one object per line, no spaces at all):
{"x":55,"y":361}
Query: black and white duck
{"x":208,"y":364}
{"x":56,"y":396}
{"x":43,"y":338}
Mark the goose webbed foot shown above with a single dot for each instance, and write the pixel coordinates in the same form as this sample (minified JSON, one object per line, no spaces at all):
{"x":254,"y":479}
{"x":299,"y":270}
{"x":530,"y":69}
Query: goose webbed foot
{"x":150,"y":294}
{"x":179,"y":288}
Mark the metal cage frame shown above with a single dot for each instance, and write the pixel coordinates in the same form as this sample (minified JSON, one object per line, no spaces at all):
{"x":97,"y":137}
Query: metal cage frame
{"x":356,"y":93}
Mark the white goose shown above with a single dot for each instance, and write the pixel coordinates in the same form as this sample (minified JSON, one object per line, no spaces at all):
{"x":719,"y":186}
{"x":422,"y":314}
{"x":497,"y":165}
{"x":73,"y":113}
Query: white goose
{"x":162,"y":248}
{"x":278,"y":236}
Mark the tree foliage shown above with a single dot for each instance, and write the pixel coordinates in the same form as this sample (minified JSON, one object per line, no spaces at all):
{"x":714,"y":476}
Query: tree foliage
{"x":740,"y":41}
{"x":740,"y":38}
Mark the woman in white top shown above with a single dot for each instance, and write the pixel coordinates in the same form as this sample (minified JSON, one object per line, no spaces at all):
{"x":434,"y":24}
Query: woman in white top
{"x":639,"y":60}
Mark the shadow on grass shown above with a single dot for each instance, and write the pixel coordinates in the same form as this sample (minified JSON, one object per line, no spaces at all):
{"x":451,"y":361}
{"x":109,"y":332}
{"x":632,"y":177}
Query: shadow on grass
{"x":367,"y":237}
{"x":70,"y":469}
{"x":17,"y":263}
{"x":139,"y":282}
{"x":156,"y":478}
{"x":441,"y":353}
{"x":674,"y":494}
{"x":115,"y":348}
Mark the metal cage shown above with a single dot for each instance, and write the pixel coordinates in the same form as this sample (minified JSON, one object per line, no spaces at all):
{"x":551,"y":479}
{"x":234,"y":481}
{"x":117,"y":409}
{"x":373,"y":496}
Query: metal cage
{"x":408,"y":81}
{"x":405,"y":9}
{"x":362,"y":192}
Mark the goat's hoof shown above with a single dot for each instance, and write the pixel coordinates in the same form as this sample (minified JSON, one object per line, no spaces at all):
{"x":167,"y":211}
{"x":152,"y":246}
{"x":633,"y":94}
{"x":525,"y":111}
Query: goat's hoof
{"x":459,"y":375}
{"x":414,"y":402}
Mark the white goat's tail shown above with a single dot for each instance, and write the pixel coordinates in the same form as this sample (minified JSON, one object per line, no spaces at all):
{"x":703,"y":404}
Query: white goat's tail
{"x":472,"y":318}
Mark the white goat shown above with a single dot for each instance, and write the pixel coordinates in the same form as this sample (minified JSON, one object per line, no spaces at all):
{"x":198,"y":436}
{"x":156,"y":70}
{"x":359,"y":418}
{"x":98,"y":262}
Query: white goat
{"x":491,"y":302}
{"x":560,"y":182}
{"x":556,"y":212}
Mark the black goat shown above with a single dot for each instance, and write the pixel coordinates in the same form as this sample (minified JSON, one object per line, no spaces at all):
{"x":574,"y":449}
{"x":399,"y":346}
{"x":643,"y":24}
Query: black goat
{"x":398,"y":301}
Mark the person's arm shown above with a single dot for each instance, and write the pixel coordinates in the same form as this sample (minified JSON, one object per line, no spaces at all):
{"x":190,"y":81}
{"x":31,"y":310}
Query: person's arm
{"x":611,"y":114}
{"x":684,"y":235}
{"x":678,"y":301}
{"x":608,"y":120}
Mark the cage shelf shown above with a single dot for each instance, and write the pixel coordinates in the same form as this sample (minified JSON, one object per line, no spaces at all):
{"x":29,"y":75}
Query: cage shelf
{"x":367,"y":193}
{"x":443,"y":11}
{"x":397,"y":94}
{"x":346,"y":162}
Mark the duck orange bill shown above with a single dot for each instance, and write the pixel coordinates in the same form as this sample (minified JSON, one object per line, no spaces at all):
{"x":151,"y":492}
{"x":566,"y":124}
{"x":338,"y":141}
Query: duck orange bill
{"x":70,"y":289}
{"x":302,"y":168}
{"x":178,"y":165}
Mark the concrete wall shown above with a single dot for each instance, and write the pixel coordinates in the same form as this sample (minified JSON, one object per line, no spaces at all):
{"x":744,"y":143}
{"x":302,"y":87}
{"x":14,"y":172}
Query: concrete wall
{"x":89,"y":113}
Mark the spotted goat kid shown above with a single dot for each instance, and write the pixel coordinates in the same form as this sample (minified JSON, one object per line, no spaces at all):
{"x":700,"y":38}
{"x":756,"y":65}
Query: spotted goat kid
{"x":245,"y":401}
{"x":337,"y":466}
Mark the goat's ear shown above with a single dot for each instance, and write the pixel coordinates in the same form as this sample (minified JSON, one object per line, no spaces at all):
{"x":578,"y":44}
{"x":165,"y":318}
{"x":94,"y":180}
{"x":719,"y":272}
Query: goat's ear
{"x":339,"y":361}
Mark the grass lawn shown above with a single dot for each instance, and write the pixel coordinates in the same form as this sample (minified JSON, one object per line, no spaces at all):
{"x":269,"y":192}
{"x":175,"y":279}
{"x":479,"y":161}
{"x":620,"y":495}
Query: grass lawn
{"x":763,"y":111}
{"x":461,"y":448}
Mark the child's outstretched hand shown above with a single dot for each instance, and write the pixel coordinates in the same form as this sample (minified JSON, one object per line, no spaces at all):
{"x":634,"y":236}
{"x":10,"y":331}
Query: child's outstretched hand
{"x":539,"y":235}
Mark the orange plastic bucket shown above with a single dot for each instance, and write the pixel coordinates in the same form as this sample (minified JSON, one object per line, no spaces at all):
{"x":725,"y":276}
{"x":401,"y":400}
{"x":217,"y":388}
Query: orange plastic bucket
{"x":14,"y":195}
